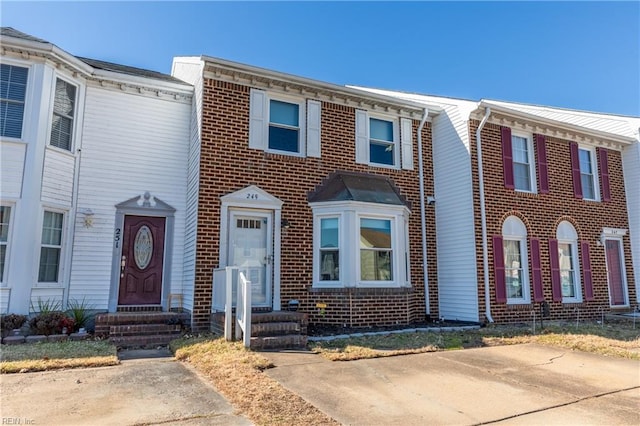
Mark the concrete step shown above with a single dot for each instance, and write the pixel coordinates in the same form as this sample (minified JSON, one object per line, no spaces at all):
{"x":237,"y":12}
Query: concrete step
{"x":142,"y":341}
{"x":274,"y":328}
{"x":286,"y":341}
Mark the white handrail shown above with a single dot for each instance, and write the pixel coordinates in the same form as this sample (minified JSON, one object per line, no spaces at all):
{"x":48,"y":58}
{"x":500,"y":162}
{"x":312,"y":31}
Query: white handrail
{"x":243,"y":309}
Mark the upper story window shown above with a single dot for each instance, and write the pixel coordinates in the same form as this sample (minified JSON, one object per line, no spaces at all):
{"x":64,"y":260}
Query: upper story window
{"x":522,"y":163}
{"x":382,"y":142}
{"x":13,"y":88}
{"x":5,"y":222}
{"x":519,"y":160}
{"x":284,"y":124}
{"x":63,"y":115}
{"x":51,"y":246}
{"x":587,"y":173}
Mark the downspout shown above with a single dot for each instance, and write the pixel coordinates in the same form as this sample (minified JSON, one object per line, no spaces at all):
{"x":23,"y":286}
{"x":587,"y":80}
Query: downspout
{"x":483,"y":217}
{"x":423,"y":218}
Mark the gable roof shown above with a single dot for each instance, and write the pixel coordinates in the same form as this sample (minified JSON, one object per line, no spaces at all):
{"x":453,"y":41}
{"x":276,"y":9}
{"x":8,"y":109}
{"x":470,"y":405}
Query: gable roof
{"x":12,"y":32}
{"x":125,"y":69}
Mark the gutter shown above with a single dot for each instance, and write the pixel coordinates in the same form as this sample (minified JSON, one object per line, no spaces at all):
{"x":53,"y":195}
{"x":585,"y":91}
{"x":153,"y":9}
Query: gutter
{"x":483,"y":216}
{"x":423,"y":219}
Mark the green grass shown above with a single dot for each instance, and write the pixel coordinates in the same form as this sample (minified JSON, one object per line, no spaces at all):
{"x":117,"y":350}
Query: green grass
{"x":56,"y":355}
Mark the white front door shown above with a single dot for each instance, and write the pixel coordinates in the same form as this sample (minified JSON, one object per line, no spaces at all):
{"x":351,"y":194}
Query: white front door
{"x":250,"y":249}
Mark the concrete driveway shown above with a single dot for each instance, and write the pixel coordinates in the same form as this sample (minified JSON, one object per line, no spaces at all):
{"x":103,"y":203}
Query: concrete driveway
{"x":521,"y":384}
{"x":139,"y":391}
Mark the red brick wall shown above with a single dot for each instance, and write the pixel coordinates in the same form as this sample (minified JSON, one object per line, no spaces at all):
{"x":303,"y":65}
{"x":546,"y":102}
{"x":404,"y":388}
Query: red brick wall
{"x":228,"y":165}
{"x":541,"y":214}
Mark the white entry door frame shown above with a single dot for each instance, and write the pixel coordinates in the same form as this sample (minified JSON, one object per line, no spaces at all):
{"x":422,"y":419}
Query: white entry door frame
{"x":253,"y":203}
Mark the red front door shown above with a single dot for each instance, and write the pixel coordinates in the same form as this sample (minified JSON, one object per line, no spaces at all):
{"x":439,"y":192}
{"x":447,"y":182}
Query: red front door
{"x":615,"y":273}
{"x":141,"y":262}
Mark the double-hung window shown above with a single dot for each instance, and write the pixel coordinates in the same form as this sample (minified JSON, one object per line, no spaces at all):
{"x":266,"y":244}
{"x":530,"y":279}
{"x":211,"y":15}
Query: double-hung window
{"x":63,"y":115}
{"x":329,"y":249}
{"x":284,"y":126}
{"x":565,"y":266}
{"x":5,"y":222}
{"x":376,"y":252}
{"x":587,"y":173}
{"x":382,"y":143}
{"x":523,"y":163}
{"x":511,"y":262}
{"x":567,"y":271}
{"x":51,"y":247}
{"x":13,"y":88}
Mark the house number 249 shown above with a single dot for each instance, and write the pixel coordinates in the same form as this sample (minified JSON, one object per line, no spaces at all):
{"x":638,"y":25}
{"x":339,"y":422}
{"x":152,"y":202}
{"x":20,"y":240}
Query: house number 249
{"x":252,"y":196}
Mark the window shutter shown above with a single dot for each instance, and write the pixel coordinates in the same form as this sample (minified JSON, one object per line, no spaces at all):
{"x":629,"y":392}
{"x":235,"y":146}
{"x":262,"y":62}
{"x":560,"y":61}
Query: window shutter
{"x":554,"y":261}
{"x":604,"y":174}
{"x":507,"y":157}
{"x":575,"y":170}
{"x":543,"y":168}
{"x":498,"y":270}
{"x":586,"y":270}
{"x":406,"y":136}
{"x":258,"y":116}
{"x":362,"y":137}
{"x":313,"y":128}
{"x":536,"y":270}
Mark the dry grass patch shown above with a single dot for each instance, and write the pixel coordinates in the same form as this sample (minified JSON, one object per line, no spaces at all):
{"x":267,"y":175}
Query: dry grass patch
{"x":617,"y":340}
{"x":45,"y":356}
{"x":238,"y":374}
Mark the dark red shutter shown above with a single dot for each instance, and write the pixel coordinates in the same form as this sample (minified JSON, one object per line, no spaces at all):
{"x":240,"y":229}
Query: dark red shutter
{"x":536,"y":270}
{"x":498,"y":270}
{"x":543,"y":168}
{"x":604,"y":174}
{"x":554,"y":260}
{"x":575,"y":170}
{"x":507,"y":157}
{"x":586,"y":270}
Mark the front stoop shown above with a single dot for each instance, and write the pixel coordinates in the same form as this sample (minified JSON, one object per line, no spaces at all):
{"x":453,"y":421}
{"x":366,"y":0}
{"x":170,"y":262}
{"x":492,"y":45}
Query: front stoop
{"x":140,"y":329}
{"x":272,"y":330}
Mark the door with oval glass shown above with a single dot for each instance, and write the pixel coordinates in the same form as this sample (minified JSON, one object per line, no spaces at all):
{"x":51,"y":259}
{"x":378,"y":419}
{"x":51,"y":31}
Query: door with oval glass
{"x":141,"y":261}
{"x":250,"y":250}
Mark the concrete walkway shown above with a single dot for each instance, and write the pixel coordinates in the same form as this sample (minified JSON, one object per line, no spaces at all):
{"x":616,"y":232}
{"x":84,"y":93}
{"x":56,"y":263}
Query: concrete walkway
{"x":521,"y":384}
{"x":147,"y":388}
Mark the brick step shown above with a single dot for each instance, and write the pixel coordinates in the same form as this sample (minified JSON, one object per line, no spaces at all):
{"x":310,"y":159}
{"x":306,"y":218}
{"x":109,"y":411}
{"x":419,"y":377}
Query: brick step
{"x":143,"y":330}
{"x":274,"y":328}
{"x":286,"y":341}
{"x":120,"y":318}
{"x":142,"y":341}
{"x":279,"y":316}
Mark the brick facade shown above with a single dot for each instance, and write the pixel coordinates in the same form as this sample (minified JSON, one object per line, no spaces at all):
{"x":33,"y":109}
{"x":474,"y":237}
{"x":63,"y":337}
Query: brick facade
{"x":227,"y":164}
{"x":541,"y":214}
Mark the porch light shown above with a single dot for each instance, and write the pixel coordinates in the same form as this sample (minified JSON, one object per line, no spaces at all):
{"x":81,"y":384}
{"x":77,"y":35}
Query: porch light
{"x":88,"y":217}
{"x":284,"y":224}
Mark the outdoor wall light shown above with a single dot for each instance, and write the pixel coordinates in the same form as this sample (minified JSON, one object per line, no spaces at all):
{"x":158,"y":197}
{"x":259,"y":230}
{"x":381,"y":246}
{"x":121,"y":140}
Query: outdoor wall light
{"x":88,"y":217}
{"x":284,"y":224}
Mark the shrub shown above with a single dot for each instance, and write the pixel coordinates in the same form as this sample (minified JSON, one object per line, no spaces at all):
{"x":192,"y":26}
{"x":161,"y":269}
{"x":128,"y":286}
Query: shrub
{"x":50,"y":323}
{"x":46,"y":306}
{"x":79,"y":312}
{"x":11,"y":322}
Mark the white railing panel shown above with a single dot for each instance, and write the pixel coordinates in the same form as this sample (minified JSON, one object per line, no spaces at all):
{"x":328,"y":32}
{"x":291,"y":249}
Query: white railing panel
{"x":243,"y":310}
{"x":219,"y":290}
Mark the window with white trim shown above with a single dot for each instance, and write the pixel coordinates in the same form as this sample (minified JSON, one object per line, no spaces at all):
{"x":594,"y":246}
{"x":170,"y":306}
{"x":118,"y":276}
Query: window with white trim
{"x":378,"y":140}
{"x":588,"y":180}
{"x":568,"y":263}
{"x":523,"y":163}
{"x":13,"y":89}
{"x":51,"y":247}
{"x":284,"y":124}
{"x":64,"y":103}
{"x":5,"y":223}
{"x":360,"y":245}
{"x":383,"y":147}
{"x":514,"y":238}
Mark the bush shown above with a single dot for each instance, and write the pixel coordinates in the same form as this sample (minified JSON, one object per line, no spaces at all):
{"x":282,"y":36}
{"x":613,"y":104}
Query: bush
{"x":79,"y":312}
{"x":49,"y":323}
{"x":11,"y":322}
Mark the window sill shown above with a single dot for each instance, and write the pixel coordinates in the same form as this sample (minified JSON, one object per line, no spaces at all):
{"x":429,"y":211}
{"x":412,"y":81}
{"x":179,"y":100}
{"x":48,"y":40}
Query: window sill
{"x":384,"y":166}
{"x":363,"y":290}
{"x":519,"y":305}
{"x":570,"y":301}
{"x":60,"y":150}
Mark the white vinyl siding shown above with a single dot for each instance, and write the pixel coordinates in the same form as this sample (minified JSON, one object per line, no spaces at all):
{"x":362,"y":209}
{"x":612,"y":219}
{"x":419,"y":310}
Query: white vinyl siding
{"x":147,"y":151}
{"x":57,"y":178}
{"x":456,"y":238}
{"x":631,"y":169}
{"x":12,"y":166}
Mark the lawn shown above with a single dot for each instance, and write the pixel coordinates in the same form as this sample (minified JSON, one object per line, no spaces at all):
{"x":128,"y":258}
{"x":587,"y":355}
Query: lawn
{"x":55,"y":355}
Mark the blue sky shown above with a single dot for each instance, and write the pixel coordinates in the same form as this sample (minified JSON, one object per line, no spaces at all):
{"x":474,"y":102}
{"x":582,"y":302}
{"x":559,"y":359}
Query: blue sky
{"x":580,"y":55}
